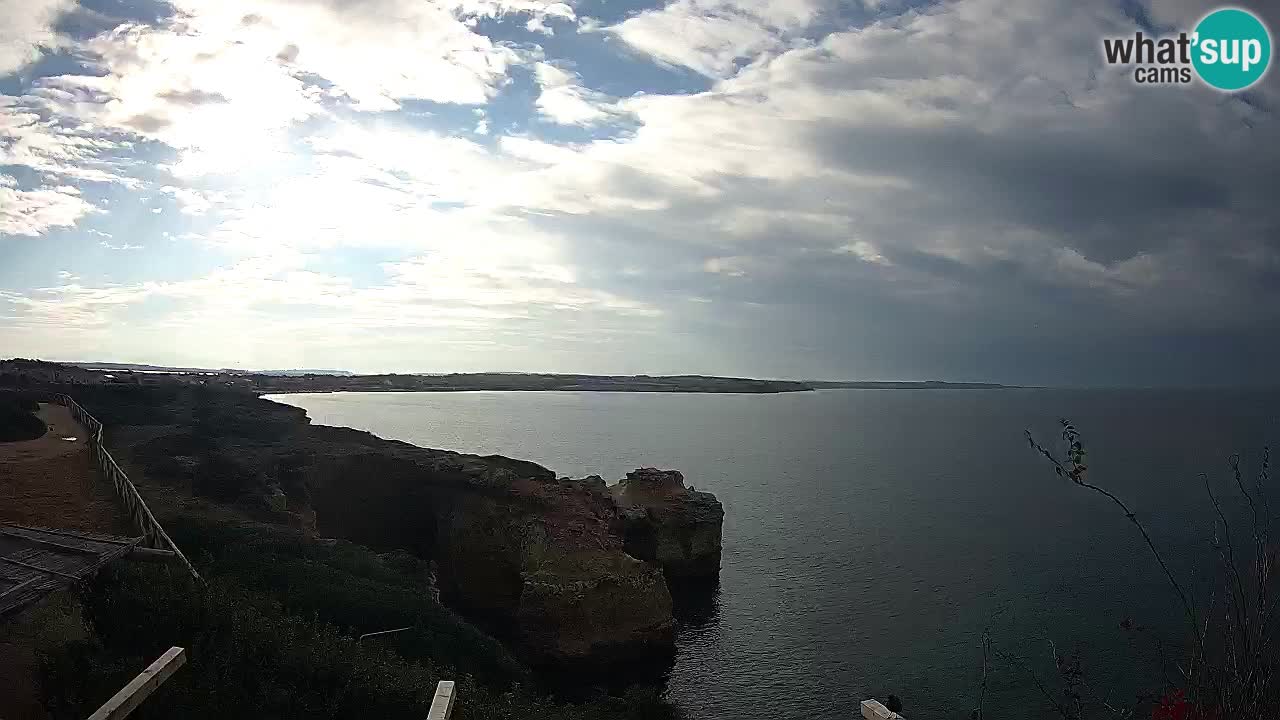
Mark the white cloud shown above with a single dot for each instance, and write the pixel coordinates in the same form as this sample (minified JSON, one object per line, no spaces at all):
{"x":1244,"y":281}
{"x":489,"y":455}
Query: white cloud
{"x":864,"y":251}
{"x":121,"y":246}
{"x":191,"y":201}
{"x":27,"y":30}
{"x":378,"y":52}
{"x":496,"y":8}
{"x":221,"y":102}
{"x":538,"y":25}
{"x":563,"y":99}
{"x":451,"y":295}
{"x":47,"y":143}
{"x":223,"y":81}
{"x":35,"y":212}
{"x":712,"y":36}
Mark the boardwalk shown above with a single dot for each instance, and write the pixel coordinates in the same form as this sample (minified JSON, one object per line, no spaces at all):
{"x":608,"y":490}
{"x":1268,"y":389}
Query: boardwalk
{"x":51,"y":482}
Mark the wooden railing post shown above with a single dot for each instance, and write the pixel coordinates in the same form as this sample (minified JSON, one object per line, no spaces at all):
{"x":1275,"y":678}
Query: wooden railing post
{"x":134,"y":506}
{"x":132,"y":695}
{"x":874,"y":710}
{"x":442,"y":704}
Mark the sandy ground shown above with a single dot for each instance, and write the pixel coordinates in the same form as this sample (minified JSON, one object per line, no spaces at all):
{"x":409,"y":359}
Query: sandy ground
{"x":51,"y":481}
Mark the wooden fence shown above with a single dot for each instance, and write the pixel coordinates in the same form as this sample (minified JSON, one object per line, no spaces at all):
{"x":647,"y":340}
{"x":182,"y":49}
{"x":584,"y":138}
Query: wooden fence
{"x":137,"y":509}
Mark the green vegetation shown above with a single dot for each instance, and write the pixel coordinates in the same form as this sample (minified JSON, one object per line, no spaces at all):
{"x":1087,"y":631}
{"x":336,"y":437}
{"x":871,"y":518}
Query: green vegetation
{"x":275,"y":635}
{"x":17,"y":418}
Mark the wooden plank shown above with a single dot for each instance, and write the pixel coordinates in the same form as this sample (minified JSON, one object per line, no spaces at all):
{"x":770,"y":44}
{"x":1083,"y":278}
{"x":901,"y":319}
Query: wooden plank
{"x":40,"y":541}
{"x":442,"y":705}
{"x":20,"y":586}
{"x":87,"y":537}
{"x":132,"y":695}
{"x":41,"y":569}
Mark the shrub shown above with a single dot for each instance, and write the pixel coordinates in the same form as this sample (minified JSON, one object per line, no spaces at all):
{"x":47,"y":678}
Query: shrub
{"x":17,"y":419}
{"x":275,"y":635}
{"x":1231,"y":665}
{"x":347,"y":585}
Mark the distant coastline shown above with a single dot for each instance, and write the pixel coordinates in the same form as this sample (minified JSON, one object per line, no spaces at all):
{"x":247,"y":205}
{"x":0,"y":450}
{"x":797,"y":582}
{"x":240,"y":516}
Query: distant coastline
{"x":326,"y":381}
{"x":462,"y":382}
{"x":909,"y":385}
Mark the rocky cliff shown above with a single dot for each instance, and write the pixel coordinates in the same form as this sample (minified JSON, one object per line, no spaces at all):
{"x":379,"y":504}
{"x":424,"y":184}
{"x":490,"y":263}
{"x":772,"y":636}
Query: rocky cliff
{"x":562,"y":567}
{"x":677,"y":528}
{"x":540,"y":558}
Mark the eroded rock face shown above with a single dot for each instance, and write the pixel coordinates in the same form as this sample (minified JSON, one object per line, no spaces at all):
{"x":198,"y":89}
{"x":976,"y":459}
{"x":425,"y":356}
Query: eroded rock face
{"x":671,"y":525}
{"x":541,"y":557}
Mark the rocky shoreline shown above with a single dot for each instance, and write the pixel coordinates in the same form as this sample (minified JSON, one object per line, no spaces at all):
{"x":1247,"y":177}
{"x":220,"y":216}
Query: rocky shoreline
{"x":571,"y":572}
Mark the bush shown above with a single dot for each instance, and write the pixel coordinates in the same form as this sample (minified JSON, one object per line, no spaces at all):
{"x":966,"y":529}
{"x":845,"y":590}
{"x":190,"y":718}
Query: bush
{"x":249,"y":657}
{"x":1229,"y":664}
{"x":275,"y":635}
{"x":349,"y":586}
{"x":17,"y":419}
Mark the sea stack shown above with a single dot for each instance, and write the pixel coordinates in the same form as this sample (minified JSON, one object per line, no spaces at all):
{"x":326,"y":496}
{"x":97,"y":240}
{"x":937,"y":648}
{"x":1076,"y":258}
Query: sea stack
{"x":666,"y":523}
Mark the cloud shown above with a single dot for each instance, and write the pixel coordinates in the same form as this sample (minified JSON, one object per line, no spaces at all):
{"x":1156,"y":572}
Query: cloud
{"x":451,"y":296}
{"x":183,"y":87}
{"x":120,"y":247}
{"x":224,"y":81}
{"x":955,"y":161}
{"x":191,"y":201}
{"x":27,"y":30}
{"x":33,"y":137}
{"x":563,"y":100}
{"x":35,"y":212}
{"x":864,"y":251}
{"x":712,"y":36}
{"x":377,"y":52}
{"x":874,"y":184}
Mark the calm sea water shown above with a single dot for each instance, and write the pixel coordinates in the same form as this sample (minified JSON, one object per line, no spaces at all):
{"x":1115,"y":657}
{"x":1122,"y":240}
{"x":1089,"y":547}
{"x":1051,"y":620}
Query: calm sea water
{"x":871,"y":536}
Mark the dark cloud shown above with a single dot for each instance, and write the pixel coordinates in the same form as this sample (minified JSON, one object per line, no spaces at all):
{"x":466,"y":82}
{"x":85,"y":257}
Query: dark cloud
{"x":147,"y":123}
{"x":192,"y":97}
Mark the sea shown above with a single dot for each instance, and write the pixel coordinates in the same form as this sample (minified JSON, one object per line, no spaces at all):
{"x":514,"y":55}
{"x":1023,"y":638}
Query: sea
{"x":874,"y":538}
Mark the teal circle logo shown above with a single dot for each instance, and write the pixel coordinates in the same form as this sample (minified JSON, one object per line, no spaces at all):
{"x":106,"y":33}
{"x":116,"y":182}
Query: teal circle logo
{"x":1232,"y":49}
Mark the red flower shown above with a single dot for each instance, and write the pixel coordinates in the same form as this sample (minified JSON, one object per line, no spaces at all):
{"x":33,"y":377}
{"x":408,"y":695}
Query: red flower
{"x":1173,"y":706}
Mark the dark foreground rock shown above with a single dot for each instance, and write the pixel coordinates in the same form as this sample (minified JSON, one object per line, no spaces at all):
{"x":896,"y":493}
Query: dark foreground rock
{"x":569,"y":571}
{"x":542,"y":559}
{"x":677,"y":528}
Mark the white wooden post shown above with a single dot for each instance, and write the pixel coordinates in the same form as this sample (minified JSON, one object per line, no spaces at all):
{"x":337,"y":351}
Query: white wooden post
{"x":873,"y":710}
{"x":442,"y":705}
{"x":132,"y":695}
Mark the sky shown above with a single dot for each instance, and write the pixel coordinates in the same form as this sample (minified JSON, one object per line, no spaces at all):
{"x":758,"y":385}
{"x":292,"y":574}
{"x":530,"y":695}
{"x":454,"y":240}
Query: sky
{"x":866,"y":189}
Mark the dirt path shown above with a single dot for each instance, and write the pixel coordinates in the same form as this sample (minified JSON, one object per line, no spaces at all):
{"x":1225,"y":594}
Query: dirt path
{"x":48,"y":482}
{"x":51,"y":481}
